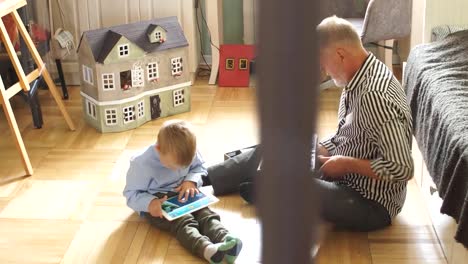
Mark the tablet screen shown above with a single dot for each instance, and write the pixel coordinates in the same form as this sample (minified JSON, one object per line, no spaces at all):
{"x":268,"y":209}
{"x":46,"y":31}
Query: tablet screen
{"x":173,"y":208}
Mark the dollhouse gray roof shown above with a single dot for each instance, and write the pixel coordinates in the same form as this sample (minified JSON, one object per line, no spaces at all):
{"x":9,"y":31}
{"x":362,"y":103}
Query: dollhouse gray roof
{"x":111,"y":39}
{"x":102,"y":41}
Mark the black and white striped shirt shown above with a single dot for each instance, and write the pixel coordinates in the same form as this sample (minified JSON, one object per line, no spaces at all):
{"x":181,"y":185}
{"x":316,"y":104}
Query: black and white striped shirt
{"x":375,"y":124}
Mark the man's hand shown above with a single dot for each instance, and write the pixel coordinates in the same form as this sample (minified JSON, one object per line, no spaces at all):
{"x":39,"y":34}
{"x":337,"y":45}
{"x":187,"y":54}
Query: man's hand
{"x":154,"y":208}
{"x":334,"y":167}
{"x":186,"y":189}
{"x":322,"y":151}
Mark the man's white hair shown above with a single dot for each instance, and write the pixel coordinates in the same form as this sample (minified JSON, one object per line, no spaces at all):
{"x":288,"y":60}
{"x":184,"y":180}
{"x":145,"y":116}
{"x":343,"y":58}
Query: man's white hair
{"x":335,"y":31}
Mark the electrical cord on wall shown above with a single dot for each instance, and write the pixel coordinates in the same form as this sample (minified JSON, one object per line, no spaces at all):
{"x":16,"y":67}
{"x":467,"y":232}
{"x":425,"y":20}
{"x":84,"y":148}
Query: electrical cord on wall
{"x":202,"y":72}
{"x":209,"y":32}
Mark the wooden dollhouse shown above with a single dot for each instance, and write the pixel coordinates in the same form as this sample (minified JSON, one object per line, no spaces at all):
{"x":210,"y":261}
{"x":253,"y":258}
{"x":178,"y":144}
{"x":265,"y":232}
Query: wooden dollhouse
{"x":133,"y":73}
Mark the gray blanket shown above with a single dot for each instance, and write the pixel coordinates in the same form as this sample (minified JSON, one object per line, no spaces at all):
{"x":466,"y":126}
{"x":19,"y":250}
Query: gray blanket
{"x":436,"y":84}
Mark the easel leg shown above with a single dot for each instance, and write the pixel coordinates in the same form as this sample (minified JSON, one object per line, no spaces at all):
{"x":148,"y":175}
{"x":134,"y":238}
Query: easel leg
{"x":58,"y":99}
{"x":15,"y":130}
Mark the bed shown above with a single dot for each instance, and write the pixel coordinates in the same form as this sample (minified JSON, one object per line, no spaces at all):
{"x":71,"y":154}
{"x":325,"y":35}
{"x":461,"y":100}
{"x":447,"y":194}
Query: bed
{"x":436,"y":83}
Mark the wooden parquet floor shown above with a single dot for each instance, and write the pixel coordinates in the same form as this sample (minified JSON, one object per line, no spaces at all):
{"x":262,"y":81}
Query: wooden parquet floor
{"x":72,"y":209}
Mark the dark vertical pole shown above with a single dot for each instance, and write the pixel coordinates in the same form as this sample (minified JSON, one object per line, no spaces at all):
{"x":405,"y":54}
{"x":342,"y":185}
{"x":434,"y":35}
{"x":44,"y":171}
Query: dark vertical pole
{"x":58,"y":63}
{"x":287,"y":91}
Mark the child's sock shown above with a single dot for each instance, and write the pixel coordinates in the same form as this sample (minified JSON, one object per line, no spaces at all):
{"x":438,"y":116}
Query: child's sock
{"x":214,"y":253}
{"x":233,"y":253}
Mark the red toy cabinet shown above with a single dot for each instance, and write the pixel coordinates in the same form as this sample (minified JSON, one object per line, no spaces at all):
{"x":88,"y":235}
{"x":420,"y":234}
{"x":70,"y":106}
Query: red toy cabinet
{"x":234,"y":65}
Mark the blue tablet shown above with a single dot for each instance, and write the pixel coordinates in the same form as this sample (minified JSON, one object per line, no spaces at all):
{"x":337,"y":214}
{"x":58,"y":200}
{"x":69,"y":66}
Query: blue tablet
{"x":173,"y":208}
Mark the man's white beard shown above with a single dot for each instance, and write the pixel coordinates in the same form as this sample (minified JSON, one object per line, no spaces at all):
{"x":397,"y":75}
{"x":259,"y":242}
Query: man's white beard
{"x":339,"y":84}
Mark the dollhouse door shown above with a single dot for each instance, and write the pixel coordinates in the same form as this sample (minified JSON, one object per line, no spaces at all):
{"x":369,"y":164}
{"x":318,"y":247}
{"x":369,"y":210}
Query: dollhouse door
{"x":155,"y":102}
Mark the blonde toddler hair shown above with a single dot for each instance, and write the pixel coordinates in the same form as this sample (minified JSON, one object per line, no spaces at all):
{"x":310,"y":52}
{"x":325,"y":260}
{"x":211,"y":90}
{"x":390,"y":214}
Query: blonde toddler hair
{"x":177,"y":138}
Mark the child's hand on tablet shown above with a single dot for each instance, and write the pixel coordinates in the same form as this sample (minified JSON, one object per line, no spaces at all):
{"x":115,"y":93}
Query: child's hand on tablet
{"x":186,"y":189}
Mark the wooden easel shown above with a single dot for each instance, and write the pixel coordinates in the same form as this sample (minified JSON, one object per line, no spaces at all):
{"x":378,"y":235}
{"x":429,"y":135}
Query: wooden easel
{"x":10,"y":7}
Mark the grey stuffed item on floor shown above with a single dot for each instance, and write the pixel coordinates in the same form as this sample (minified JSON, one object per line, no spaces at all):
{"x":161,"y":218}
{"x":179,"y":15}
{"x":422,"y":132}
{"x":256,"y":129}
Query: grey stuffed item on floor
{"x":226,"y":176}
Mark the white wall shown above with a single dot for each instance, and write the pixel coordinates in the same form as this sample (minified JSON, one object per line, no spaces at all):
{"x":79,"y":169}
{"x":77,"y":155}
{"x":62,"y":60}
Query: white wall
{"x":250,"y":21}
{"x":427,"y":14}
{"x":81,"y":15}
{"x":444,"y":12}
{"x":417,"y":20}
{"x":431,"y":13}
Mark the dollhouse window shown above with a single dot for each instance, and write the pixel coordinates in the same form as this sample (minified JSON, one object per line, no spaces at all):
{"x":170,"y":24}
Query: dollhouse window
{"x":129,"y":114}
{"x":111,"y":117}
{"x":91,"y":109}
{"x":125,"y":80}
{"x":176,"y":64}
{"x":179,"y":97}
{"x":108,"y":82}
{"x":158,"y":35}
{"x":137,"y":77}
{"x":153,"y":72}
{"x":124,"y":50}
{"x":88,"y":75}
{"x":243,"y":64}
{"x":229,"y":64}
{"x":141,"y":109}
